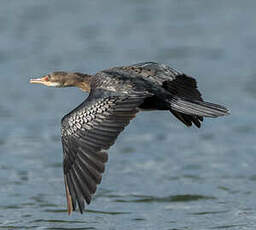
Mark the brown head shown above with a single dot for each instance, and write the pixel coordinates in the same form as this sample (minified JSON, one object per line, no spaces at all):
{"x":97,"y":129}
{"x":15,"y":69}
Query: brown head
{"x":65,"y":79}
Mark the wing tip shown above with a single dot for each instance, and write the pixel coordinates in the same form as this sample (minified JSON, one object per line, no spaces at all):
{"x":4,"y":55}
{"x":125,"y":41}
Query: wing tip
{"x":69,"y":199}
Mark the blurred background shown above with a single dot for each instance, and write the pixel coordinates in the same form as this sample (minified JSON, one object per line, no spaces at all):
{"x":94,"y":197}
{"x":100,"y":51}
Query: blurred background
{"x":160,"y":174}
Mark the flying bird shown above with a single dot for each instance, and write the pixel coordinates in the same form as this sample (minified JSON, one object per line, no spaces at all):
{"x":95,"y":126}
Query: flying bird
{"x":115,"y":96}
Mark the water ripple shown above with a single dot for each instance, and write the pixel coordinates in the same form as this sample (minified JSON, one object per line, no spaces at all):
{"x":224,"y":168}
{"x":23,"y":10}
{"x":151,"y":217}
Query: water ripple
{"x":209,"y":212}
{"x":175,"y":198}
{"x":107,"y":213}
{"x":82,"y":228}
{"x":57,"y":221}
{"x":229,"y":226}
{"x":88,"y":211}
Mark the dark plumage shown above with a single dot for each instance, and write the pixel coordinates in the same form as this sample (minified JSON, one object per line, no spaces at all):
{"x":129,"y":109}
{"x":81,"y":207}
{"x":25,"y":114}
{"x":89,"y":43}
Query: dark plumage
{"x":116,"y":95}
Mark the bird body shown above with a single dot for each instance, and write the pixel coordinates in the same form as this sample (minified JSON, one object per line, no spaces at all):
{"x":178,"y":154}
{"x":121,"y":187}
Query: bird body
{"x":115,"y":96}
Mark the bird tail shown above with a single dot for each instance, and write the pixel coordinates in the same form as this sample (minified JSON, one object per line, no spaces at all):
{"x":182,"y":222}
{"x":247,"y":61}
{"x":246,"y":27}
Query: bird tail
{"x":186,"y":102}
{"x":197,"y":107}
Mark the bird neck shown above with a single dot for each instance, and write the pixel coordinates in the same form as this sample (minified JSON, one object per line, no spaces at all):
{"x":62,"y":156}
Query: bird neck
{"x":82,"y":81}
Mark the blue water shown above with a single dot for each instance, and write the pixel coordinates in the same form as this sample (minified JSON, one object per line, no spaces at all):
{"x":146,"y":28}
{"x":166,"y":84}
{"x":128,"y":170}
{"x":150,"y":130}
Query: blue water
{"x":160,"y":175}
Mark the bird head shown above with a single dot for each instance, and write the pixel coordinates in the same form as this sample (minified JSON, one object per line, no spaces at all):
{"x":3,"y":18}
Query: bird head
{"x":64,"y":79}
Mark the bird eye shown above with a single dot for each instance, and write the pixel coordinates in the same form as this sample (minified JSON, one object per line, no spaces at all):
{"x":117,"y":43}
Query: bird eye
{"x":47,"y":78}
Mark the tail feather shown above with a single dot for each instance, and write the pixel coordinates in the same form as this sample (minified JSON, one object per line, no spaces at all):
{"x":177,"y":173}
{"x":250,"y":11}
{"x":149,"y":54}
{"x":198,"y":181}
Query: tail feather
{"x":186,"y":102}
{"x":198,"y":108}
{"x":188,"y":119}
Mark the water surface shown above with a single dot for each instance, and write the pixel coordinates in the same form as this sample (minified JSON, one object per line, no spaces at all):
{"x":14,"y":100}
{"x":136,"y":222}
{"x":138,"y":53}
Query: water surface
{"x":160,"y":175}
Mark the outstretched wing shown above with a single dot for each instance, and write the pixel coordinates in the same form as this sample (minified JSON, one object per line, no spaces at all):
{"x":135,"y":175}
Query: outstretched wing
{"x":86,"y":132}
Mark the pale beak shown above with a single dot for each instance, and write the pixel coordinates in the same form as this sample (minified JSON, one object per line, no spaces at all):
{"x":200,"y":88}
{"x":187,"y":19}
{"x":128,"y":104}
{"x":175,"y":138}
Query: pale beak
{"x":43,"y":80}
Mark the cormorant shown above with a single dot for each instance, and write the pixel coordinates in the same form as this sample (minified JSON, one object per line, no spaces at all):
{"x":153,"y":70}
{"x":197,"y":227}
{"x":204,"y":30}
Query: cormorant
{"x":115,"y":96}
